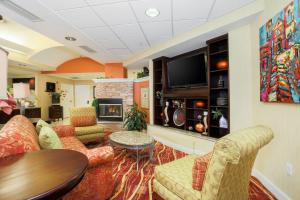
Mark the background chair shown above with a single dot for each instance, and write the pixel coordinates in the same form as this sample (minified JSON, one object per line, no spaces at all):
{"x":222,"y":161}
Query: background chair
{"x":228,"y":173}
{"x":84,"y":120}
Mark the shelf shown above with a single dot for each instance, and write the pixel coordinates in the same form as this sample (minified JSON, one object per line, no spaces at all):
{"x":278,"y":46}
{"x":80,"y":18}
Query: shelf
{"x":158,"y":70}
{"x":219,"y":70}
{"x":218,"y":52}
{"x":219,"y":106}
{"x":196,"y":120}
{"x":158,"y":106}
{"x":197,"y":109}
{"x":158,"y":83}
{"x":225,"y":88}
{"x":213,"y":126}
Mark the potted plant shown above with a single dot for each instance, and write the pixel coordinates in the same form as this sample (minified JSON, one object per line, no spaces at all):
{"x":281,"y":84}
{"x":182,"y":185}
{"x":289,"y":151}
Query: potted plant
{"x":135,"y":119}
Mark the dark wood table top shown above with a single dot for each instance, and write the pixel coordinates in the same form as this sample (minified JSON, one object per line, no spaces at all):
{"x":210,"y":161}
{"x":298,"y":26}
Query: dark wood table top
{"x":45,"y":174}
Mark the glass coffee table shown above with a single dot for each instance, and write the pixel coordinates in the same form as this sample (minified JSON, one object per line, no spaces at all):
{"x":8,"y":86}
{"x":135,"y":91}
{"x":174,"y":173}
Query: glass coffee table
{"x":133,"y":140}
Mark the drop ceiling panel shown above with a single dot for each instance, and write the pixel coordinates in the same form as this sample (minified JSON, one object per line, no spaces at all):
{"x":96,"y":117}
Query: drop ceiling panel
{"x":140,"y":7}
{"x":183,"y":26}
{"x":192,"y":9}
{"x":132,"y":36}
{"x":63,"y":4}
{"x":104,"y":36}
{"x":82,"y":17}
{"x":95,"y":2}
{"x":115,"y":14}
{"x":157,"y":31}
{"x":223,"y":7}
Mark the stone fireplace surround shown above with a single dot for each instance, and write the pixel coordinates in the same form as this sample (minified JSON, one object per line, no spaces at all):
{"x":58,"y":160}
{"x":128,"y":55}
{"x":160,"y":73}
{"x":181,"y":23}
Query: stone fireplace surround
{"x":115,"y":88}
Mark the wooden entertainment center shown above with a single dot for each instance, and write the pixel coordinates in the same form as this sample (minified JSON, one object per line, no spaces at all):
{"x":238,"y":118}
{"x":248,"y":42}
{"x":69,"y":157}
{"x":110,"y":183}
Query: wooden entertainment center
{"x":214,"y":96}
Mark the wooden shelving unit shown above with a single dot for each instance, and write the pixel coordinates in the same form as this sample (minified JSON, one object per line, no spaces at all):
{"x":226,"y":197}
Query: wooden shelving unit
{"x":218,"y":51}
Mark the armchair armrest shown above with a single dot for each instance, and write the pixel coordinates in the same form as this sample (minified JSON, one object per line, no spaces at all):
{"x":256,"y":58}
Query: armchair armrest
{"x":64,"y":130}
{"x":100,"y":155}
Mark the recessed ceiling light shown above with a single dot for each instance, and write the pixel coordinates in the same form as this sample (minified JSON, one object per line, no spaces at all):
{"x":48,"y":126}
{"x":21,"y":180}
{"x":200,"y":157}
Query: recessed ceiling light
{"x":69,"y":38}
{"x":152,"y":12}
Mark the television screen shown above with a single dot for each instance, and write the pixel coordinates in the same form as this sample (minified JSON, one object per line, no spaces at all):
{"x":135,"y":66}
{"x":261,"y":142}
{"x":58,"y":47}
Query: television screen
{"x":50,"y":87}
{"x":188,"y":71}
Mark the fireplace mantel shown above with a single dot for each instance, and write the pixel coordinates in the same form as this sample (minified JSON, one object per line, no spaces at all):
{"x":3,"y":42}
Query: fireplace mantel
{"x":113,"y":80}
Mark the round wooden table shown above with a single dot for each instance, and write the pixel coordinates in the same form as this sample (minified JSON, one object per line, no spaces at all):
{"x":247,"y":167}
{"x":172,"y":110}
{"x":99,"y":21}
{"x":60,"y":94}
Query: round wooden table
{"x":45,"y":174}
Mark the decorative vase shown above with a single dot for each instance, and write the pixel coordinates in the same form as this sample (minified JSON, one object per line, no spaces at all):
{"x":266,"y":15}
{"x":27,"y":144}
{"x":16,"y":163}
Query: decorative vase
{"x":199,"y":127}
{"x":200,"y":104}
{"x":166,"y":114}
{"x":222,"y":64}
{"x":223,"y":123}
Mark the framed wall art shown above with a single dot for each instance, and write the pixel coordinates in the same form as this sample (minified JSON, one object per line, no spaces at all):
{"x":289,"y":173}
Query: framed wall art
{"x":280,"y":56}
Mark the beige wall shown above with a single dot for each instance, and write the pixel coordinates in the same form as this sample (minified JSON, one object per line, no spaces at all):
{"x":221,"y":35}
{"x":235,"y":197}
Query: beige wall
{"x":44,"y":98}
{"x":246,"y":108}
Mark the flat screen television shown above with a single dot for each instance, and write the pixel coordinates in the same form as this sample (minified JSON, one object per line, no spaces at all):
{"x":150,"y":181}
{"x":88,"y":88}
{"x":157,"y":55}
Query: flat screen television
{"x":50,"y":87}
{"x":188,"y":71}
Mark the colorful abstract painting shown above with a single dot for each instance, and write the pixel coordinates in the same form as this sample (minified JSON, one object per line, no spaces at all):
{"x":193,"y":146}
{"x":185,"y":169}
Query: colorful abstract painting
{"x":280,"y":56}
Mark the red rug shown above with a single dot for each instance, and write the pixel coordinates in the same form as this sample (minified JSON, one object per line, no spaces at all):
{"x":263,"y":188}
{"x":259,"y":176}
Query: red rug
{"x":137,"y":185}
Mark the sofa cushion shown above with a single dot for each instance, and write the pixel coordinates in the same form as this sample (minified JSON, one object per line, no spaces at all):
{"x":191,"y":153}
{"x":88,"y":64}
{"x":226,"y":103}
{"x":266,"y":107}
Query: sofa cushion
{"x":18,"y":136}
{"x":83,"y":116}
{"x":88,"y":130}
{"x":40,"y":124}
{"x":199,"y":169}
{"x":48,"y":139}
{"x":176,"y":176}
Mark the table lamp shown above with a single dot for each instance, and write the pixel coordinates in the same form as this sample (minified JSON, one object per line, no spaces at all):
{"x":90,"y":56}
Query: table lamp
{"x":21,"y":92}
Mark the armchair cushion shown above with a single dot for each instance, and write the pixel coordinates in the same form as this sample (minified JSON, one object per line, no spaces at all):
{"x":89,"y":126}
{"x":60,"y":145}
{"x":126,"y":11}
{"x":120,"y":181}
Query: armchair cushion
{"x":48,"y":139}
{"x":83,"y":116}
{"x":64,"y":130}
{"x":88,"y":130}
{"x":176,"y":176}
{"x":199,"y":169}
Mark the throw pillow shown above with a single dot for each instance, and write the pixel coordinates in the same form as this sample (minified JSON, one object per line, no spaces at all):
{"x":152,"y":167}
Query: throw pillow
{"x":199,"y":169}
{"x":48,"y":139}
{"x":40,"y":124}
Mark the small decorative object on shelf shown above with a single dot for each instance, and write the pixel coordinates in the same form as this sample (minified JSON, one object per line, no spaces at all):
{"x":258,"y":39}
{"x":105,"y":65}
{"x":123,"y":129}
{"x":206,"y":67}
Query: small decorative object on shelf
{"x":159,"y":95}
{"x":190,"y":128}
{"x":205,"y":122}
{"x":222,"y":101}
{"x":199,"y":126}
{"x":166,"y":114}
{"x":221,"y":82}
{"x":200,"y":104}
{"x":223,"y":122}
{"x":222,"y":64}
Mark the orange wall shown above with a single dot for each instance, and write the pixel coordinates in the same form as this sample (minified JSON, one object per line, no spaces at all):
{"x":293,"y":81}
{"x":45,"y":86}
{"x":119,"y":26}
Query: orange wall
{"x":115,"y":70}
{"x":137,"y":95}
{"x":87,"y":65}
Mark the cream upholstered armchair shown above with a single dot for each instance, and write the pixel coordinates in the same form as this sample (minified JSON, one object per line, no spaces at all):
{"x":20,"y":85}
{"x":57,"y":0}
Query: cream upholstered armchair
{"x":228,"y":171}
{"x":85,"y":122}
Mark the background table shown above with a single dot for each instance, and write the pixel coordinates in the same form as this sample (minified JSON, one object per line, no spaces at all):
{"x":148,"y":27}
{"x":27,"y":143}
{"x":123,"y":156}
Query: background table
{"x":45,"y":174}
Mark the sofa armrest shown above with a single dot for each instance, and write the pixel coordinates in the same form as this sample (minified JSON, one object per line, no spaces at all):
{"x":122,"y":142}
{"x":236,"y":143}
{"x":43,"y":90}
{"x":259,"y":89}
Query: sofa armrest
{"x":64,"y":130}
{"x":100,"y":155}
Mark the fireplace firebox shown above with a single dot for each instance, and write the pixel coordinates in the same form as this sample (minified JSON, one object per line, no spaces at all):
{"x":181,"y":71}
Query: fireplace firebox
{"x":110,"y":110}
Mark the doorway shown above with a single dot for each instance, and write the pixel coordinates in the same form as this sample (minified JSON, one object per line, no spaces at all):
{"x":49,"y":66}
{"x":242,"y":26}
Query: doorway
{"x":83,"y":95}
{"x":67,"y":99}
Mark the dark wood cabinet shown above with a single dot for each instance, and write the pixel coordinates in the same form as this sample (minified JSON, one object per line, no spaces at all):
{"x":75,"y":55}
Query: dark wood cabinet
{"x":55,"y":112}
{"x":31,"y":113}
{"x":215,"y":94}
{"x":34,"y":112}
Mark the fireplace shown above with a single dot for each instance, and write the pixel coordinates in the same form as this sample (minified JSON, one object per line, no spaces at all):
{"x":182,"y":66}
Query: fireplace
{"x":110,"y":110}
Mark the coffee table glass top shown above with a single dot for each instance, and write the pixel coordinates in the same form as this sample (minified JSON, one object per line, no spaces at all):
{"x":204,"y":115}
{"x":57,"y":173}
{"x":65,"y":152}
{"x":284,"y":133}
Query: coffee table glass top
{"x":131,"y":138}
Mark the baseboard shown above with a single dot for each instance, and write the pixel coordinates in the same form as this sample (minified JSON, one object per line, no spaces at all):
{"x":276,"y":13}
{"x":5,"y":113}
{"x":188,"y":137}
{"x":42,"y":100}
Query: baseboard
{"x":270,"y":186}
{"x":177,"y":146}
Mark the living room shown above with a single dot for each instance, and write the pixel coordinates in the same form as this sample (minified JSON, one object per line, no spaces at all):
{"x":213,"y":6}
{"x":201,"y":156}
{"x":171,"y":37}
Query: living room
{"x":216,"y":86}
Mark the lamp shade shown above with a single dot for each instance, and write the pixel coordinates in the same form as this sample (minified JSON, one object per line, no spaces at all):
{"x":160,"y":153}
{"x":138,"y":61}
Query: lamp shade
{"x":3,"y":74}
{"x":21,"y":90}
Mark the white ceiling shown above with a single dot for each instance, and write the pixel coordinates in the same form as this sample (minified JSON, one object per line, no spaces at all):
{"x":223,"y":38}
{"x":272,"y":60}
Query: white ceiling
{"x":118,"y":29}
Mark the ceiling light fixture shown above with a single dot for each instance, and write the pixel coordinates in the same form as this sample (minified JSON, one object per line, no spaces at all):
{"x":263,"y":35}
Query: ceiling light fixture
{"x":69,"y":38}
{"x":152,"y":12}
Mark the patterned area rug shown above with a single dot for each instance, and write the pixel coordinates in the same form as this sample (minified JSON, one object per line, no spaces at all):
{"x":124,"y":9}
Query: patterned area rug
{"x":137,"y":185}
